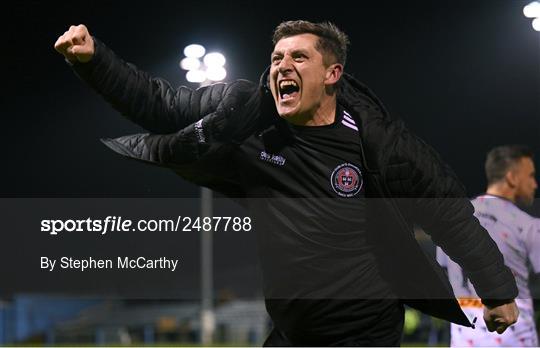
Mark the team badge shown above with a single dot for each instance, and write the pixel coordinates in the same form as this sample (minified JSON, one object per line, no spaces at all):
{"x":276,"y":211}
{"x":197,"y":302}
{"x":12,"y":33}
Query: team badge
{"x":346,"y":180}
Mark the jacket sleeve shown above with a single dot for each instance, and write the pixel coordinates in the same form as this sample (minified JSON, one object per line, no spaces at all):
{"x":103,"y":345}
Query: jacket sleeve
{"x":436,"y":200}
{"x":150,"y":102}
{"x":193,"y":132}
{"x":205,"y":164}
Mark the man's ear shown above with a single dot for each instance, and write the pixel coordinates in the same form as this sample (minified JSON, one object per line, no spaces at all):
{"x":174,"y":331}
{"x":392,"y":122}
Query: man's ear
{"x":333,"y":74}
{"x":511,"y":178}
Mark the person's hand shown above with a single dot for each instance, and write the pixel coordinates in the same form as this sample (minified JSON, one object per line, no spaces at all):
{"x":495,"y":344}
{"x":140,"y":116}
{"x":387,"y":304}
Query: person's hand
{"x":501,"y":317}
{"x":76,"y":45}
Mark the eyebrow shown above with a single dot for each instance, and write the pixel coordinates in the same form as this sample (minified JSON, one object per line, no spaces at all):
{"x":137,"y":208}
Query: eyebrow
{"x":296,"y":51}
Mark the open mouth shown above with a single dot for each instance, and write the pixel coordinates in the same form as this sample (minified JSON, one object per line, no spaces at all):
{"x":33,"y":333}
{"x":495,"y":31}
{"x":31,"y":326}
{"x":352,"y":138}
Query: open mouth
{"x":288,"y":89}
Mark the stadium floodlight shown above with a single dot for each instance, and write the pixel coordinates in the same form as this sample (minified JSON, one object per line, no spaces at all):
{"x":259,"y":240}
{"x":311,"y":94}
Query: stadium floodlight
{"x":532,"y":10}
{"x":203,"y":73}
{"x":196,"y":76}
{"x":214,"y":59}
{"x":190,"y":63}
{"x":211,"y":69}
{"x":216,"y":73}
{"x":194,"y":51}
{"x":536,"y":24}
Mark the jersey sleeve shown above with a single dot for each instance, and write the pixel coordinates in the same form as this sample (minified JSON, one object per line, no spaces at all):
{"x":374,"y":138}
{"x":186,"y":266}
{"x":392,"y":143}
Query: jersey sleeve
{"x":532,"y":243}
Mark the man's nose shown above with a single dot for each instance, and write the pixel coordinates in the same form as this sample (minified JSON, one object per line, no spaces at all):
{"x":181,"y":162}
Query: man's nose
{"x":285,"y":65}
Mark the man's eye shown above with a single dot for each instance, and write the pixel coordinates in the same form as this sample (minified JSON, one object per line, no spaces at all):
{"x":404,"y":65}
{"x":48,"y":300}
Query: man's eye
{"x":276,"y":60}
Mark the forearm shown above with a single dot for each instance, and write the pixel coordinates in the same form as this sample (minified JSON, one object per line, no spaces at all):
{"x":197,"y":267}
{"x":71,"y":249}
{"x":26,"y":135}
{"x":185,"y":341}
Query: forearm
{"x":438,"y":203}
{"x":150,"y":102}
{"x":462,"y":238}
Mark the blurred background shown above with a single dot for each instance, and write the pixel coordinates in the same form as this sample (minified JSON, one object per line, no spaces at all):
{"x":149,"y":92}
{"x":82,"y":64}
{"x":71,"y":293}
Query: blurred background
{"x":463,"y":75}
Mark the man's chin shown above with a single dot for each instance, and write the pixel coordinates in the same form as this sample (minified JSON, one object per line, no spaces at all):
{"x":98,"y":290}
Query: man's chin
{"x":287,"y":114}
{"x":287,"y":110}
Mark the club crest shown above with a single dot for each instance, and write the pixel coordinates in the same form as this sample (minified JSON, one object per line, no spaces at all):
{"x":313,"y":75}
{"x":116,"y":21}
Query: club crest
{"x":346,"y":180}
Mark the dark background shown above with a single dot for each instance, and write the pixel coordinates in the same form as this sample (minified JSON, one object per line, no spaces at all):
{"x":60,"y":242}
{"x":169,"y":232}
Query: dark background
{"x":464,"y":75}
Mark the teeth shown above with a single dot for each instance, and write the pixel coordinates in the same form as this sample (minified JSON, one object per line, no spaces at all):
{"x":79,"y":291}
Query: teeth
{"x":287,"y":83}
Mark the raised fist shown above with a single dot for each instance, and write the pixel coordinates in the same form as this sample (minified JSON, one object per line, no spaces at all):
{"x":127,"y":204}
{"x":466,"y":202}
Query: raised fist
{"x":76,"y":44}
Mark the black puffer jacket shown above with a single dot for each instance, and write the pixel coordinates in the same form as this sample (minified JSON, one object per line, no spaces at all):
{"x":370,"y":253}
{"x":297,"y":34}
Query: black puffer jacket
{"x":406,"y":178}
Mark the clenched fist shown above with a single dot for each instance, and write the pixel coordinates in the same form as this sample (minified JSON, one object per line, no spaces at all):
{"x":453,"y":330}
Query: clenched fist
{"x":76,"y":44}
{"x":501,"y":317}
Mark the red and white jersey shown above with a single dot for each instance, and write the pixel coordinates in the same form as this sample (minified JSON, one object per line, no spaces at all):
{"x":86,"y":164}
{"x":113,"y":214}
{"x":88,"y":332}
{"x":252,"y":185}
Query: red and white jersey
{"x":517,"y":235}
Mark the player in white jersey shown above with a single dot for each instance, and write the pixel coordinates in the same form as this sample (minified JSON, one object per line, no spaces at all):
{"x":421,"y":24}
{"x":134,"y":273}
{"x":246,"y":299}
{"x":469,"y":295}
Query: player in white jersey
{"x":511,"y":180}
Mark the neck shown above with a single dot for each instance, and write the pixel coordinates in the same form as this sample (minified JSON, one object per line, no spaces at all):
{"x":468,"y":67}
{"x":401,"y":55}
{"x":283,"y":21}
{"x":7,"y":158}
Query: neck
{"x":502,"y":190}
{"x":324,"y":115}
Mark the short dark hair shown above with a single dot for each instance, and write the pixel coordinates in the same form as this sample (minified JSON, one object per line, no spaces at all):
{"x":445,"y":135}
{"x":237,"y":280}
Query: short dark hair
{"x":501,"y":159}
{"x":332,"y":41}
